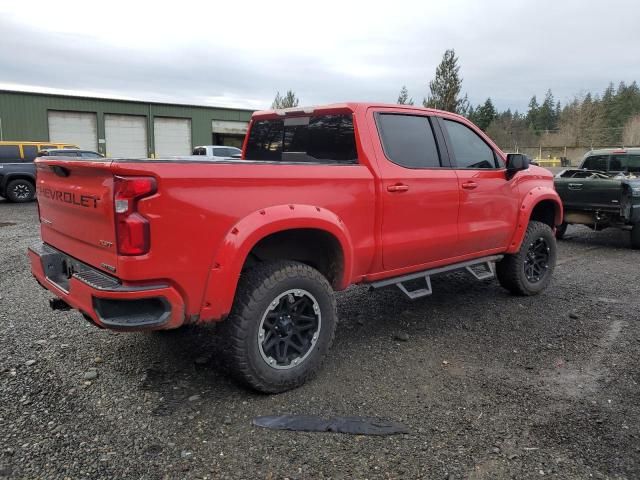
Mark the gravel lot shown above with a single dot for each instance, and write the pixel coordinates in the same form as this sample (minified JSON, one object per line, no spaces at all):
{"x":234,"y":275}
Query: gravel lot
{"x":491,"y":386}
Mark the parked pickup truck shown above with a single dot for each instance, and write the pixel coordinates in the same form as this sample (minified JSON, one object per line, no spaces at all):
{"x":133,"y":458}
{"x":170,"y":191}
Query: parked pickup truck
{"x":600,"y":200}
{"x":323,"y":198}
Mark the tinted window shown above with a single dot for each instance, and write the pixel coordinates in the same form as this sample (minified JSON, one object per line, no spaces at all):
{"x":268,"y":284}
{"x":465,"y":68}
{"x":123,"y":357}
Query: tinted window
{"x":469,"y":150}
{"x":633,"y":163}
{"x":596,"y":162}
{"x":65,"y":154}
{"x":618,"y":163}
{"x":200,"y":151}
{"x":303,"y":139}
{"x":90,"y":155}
{"x":221,"y":152}
{"x":9,"y":154}
{"x":331,"y":137}
{"x":265,"y":140}
{"x":30,"y":152}
{"x":408,"y":140}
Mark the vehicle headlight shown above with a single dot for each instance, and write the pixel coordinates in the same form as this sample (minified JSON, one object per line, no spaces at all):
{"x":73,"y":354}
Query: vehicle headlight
{"x":635,"y":192}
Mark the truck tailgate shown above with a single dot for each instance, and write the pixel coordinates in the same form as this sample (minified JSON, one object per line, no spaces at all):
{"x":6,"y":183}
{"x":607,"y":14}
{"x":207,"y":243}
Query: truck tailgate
{"x":75,"y":199}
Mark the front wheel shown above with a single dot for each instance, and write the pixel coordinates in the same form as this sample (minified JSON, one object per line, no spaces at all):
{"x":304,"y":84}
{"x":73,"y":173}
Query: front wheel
{"x":281,"y":325}
{"x":528,"y":272}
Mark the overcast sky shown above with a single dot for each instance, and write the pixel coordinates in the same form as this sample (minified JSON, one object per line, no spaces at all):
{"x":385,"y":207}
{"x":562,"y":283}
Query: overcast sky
{"x":239,"y":53}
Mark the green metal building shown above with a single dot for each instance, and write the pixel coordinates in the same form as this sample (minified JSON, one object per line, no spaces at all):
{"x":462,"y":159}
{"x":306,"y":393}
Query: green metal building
{"x":118,"y":128}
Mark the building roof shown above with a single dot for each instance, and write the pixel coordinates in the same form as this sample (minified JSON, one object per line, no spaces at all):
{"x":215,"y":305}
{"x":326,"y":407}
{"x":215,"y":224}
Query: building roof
{"x":123,"y":100}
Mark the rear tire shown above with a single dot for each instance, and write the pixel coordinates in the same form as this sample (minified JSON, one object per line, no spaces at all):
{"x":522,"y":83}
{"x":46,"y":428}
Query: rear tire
{"x":561,"y":230}
{"x":528,"y":272}
{"x":20,"y":191}
{"x":635,"y":236}
{"x":281,"y":325}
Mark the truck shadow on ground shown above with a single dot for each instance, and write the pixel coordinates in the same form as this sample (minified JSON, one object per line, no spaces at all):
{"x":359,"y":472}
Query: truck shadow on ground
{"x":608,"y":238}
{"x":186,"y":362}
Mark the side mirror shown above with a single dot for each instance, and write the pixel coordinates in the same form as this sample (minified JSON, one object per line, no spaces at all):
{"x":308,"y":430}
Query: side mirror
{"x":515,"y":163}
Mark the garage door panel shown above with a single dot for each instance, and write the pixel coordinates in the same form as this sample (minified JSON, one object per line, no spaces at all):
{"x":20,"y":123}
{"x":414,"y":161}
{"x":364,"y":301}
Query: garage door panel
{"x":172,"y":136}
{"x":79,"y":128}
{"x":126,"y":135}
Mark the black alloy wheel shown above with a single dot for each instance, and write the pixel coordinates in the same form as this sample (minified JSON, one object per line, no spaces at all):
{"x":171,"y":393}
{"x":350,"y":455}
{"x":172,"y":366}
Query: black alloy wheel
{"x":289,"y":329}
{"x":536,"y":263}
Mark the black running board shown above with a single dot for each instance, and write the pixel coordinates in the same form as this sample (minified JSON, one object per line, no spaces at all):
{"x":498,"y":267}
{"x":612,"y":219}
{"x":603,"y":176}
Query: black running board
{"x":481,"y":268}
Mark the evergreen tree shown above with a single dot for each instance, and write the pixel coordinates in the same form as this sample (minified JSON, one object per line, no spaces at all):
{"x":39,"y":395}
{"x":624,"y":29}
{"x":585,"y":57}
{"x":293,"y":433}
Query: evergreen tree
{"x":484,"y":115}
{"x":288,"y":101}
{"x":403,"y":97}
{"x":532,"y":113}
{"x":546,"y":118}
{"x":446,"y":87}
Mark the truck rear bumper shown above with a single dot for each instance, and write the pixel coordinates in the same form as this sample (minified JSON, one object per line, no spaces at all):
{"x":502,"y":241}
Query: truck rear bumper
{"x":104,"y":299}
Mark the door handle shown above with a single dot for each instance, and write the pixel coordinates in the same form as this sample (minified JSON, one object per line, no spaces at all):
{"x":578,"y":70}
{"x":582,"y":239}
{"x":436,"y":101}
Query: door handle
{"x":469,"y":185}
{"x":398,"y":187}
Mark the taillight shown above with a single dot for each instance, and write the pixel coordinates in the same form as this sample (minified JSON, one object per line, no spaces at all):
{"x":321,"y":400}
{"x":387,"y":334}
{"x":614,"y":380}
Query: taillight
{"x":132,"y":229}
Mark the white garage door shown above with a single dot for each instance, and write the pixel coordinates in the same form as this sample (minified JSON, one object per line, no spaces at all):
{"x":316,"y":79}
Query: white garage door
{"x":126,"y":136}
{"x":74,"y":127}
{"x":172,"y":136}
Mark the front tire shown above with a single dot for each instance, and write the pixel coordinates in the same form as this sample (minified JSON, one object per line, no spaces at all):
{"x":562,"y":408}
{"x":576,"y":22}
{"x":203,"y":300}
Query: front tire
{"x":528,"y":272}
{"x":20,"y":191}
{"x":281,"y":325}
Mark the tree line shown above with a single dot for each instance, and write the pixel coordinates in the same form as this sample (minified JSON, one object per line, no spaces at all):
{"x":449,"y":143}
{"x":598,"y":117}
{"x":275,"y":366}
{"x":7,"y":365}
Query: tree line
{"x":610,"y":119}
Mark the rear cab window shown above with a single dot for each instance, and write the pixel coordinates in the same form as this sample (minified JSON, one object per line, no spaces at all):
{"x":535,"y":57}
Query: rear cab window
{"x":305,"y":139}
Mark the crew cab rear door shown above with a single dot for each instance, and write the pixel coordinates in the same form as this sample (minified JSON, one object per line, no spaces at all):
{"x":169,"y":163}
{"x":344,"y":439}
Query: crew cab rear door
{"x":489,"y":201}
{"x":419,"y":190}
{"x":75,"y":199}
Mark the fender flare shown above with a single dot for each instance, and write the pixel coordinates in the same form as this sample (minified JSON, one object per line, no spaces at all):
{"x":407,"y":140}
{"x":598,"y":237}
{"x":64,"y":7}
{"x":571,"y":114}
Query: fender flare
{"x":234,"y":249}
{"x":529,"y":202}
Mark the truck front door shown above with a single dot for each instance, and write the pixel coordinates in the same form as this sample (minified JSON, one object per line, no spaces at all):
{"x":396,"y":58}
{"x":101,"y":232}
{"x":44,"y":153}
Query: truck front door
{"x":489,"y":202}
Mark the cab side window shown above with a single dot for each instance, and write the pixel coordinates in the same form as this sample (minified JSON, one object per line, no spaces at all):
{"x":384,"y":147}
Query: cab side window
{"x":633,"y":163}
{"x":30,"y":152}
{"x":469,"y":149}
{"x":9,"y":154}
{"x":408,"y":140}
{"x":596,"y":162}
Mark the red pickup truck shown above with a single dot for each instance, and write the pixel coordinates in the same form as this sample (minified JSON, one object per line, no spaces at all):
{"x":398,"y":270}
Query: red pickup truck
{"x":322,"y":198}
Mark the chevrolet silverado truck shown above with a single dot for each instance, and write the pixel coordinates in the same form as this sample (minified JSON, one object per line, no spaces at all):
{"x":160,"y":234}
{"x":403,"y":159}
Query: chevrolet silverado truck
{"x":603,"y":192}
{"x":323,"y":198}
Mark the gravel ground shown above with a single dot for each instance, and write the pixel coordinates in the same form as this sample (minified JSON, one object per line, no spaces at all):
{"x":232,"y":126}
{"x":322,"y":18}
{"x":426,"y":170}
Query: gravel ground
{"x":491,"y":386}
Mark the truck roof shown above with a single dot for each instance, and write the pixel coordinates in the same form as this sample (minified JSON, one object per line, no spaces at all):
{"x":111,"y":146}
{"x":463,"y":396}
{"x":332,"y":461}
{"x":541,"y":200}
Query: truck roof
{"x":609,"y":151}
{"x":346,"y":106}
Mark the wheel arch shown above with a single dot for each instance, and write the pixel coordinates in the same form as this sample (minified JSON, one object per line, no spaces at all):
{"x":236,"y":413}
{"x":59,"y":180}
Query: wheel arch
{"x":540,"y":204}
{"x":287,"y":232}
{"x":9,"y":177}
